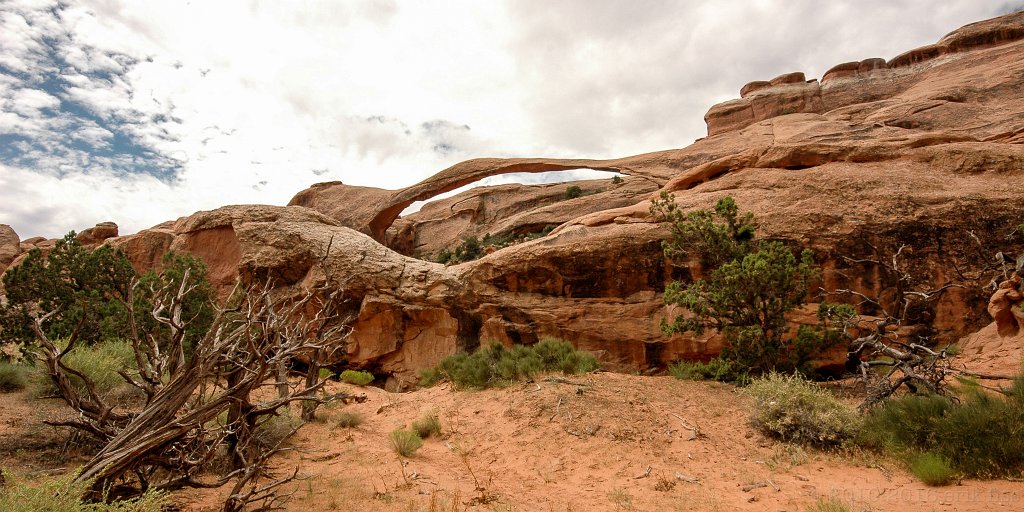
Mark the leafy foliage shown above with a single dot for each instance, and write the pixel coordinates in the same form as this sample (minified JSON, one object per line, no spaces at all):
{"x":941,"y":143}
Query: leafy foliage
{"x":794,"y":409}
{"x":472,"y":248}
{"x":100,"y":363}
{"x":931,"y":469}
{"x":697,"y":233}
{"x":405,"y":442}
{"x":717,"y":369}
{"x":428,"y":425}
{"x":496,"y":365}
{"x":573,"y":192}
{"x":356,"y":377}
{"x":13,"y":377}
{"x":980,"y":436}
{"x":63,"y":494}
{"x":751,"y":286}
{"x":83,"y":288}
{"x":197,"y":304}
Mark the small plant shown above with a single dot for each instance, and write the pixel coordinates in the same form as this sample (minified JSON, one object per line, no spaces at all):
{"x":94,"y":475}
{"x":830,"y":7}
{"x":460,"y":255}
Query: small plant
{"x":828,"y":505}
{"x":99,"y":362}
{"x":405,"y":442}
{"x":13,"y":377}
{"x":356,"y":377}
{"x":350,"y":419}
{"x":573,"y":192}
{"x":496,"y":365}
{"x":617,"y":180}
{"x":794,"y":409}
{"x":63,"y":495}
{"x":427,"y":426}
{"x":716,"y":369}
{"x":931,"y":469}
{"x":621,"y":498}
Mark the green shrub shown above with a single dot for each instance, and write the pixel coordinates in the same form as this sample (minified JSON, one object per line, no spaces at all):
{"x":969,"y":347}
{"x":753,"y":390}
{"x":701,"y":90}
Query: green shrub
{"x":908,"y":422}
{"x":350,"y":419}
{"x":13,"y":377}
{"x":430,"y":376}
{"x":405,"y":442}
{"x":356,"y":377}
{"x":980,"y":437}
{"x":617,"y":180}
{"x":99,"y":362}
{"x":573,"y":192}
{"x":496,"y":365}
{"x":717,"y":369}
{"x":794,"y":409}
{"x":61,"y":495}
{"x":427,"y":426}
{"x":560,"y":355}
{"x":749,"y":288}
{"x":82,"y":287}
{"x":931,"y":469}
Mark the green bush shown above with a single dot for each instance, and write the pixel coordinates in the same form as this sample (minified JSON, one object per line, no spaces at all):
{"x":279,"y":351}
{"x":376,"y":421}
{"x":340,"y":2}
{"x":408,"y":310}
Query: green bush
{"x":427,"y":426}
{"x":749,"y":288}
{"x":717,"y":369}
{"x":61,"y":495}
{"x":350,"y":419}
{"x":405,"y":442}
{"x":496,"y":365}
{"x":980,"y":437}
{"x":908,"y":422}
{"x":13,"y":377}
{"x":99,"y":362}
{"x":931,"y":469}
{"x":356,"y":377}
{"x":83,"y":287}
{"x":573,"y":192}
{"x":794,"y":409}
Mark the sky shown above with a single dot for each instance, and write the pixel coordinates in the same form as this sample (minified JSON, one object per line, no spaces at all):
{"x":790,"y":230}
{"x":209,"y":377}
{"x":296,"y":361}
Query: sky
{"x":139,"y":112}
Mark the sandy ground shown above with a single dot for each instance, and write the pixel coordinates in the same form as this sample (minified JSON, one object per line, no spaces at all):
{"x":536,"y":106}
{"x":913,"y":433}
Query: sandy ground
{"x":601,"y":442}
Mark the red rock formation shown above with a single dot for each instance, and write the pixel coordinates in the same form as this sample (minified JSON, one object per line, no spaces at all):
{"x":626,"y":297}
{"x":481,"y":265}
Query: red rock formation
{"x":854,"y":83}
{"x":10,"y":246}
{"x":508,"y":209}
{"x":96,"y":235}
{"x":930,"y":157}
{"x":1004,"y":306}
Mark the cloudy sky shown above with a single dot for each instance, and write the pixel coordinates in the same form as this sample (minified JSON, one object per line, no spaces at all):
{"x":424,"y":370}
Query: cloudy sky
{"x":140,"y":111}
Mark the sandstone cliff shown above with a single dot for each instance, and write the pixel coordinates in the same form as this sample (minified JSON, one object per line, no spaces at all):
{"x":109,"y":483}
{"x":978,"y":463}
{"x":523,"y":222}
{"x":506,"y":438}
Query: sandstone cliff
{"x":920,"y":155}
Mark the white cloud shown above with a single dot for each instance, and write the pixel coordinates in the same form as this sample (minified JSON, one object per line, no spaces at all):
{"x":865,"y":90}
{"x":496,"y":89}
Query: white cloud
{"x":238,"y":102}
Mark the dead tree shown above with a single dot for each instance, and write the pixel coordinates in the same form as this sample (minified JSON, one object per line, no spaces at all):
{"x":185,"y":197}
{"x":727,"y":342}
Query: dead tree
{"x":172,"y":440}
{"x":908,"y":363}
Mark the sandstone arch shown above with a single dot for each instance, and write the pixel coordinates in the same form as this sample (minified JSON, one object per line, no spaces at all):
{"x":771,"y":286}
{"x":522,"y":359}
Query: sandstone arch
{"x":374,"y":210}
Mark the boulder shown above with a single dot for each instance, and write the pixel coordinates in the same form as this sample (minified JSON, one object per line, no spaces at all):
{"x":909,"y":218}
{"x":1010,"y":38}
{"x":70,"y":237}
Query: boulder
{"x":10,"y":246}
{"x":96,"y":235}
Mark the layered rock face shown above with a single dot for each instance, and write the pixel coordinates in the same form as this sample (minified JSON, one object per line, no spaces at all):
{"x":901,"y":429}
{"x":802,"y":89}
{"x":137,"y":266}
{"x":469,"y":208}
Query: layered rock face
{"x":862,"y":82}
{"x":509,"y":210}
{"x":920,"y":157}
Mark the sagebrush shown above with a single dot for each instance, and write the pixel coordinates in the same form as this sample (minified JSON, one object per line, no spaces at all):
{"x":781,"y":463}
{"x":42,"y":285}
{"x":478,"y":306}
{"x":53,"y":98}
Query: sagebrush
{"x":794,"y":409}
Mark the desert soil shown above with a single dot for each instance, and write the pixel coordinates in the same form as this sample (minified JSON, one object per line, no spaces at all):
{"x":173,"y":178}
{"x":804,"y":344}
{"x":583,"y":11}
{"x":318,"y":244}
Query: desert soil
{"x":600,"y":442}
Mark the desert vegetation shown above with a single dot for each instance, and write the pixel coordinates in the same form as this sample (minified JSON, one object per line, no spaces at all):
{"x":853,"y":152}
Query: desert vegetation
{"x":496,"y":365}
{"x":750,"y":286}
{"x":471,"y":247}
{"x":201,"y":374}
